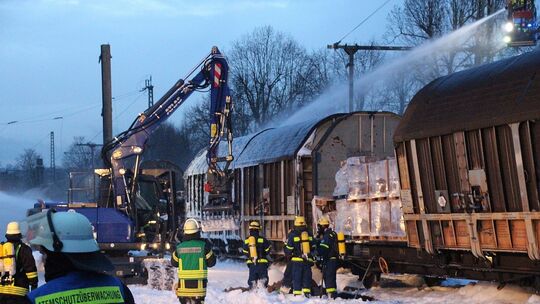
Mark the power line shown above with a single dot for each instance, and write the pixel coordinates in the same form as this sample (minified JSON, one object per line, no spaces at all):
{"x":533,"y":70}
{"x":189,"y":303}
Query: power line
{"x":365,"y":19}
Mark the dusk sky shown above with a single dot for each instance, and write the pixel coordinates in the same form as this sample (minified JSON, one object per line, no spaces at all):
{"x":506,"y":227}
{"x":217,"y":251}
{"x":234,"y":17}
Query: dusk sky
{"x":51,"y":78}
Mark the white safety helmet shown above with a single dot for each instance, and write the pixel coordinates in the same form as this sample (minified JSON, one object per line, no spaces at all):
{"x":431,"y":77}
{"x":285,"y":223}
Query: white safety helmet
{"x":13,"y":229}
{"x":66,"y":232}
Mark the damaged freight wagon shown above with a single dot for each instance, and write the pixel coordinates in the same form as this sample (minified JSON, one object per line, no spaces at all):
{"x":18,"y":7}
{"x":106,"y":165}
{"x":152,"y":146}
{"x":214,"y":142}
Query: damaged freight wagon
{"x":279,"y":171}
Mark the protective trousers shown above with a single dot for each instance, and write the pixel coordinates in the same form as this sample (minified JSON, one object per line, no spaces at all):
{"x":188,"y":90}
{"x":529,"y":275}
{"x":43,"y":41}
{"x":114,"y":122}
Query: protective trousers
{"x":329,"y":275}
{"x":11,"y":299}
{"x":301,"y":273}
{"x":188,"y":300}
{"x":287,"y":275}
{"x":258,"y":272}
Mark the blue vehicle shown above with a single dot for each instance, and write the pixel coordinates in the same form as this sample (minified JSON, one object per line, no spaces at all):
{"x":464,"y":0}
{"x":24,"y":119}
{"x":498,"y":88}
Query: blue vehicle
{"x":138,"y":208}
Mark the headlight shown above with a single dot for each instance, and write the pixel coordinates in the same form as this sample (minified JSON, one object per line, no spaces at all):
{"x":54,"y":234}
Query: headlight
{"x":507,"y":39}
{"x":508,"y":27}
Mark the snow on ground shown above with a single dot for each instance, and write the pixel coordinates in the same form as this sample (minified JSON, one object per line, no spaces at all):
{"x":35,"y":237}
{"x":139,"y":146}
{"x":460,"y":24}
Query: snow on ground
{"x":234,"y":274}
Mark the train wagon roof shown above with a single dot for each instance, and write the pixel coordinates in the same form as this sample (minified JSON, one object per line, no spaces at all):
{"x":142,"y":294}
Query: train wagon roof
{"x":493,"y":94}
{"x":268,"y":145}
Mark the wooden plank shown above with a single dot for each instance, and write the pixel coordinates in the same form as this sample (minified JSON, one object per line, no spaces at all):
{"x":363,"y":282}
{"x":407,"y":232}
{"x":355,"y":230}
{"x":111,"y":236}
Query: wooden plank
{"x":474,"y":150}
{"x":436,"y":234}
{"x":428,"y":244}
{"x":462,"y":234}
{"x":519,"y":235}
{"x":437,"y":156}
{"x":496,"y":190}
{"x":508,"y":168}
{"x":402,"y":166}
{"x":462,"y":162}
{"x":502,"y":230}
{"x":486,"y":234}
{"x":448,"y":233}
{"x":520,"y":169}
{"x":412,"y":234}
{"x":529,"y":165}
{"x":536,"y":225}
{"x":452,"y":172}
{"x":425,"y":166}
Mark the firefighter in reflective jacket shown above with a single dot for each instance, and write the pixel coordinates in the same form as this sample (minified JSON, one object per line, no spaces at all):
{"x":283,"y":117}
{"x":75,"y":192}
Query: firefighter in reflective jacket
{"x":300,"y":246}
{"x":192,"y":257}
{"x":75,"y":268}
{"x":17,"y":267}
{"x":328,"y":252}
{"x":257,"y":249}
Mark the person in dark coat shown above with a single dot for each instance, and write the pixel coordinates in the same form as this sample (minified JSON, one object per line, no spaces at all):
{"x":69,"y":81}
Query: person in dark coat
{"x":301,"y":260}
{"x":328,"y":252}
{"x":258,"y":265}
{"x":75,"y":269}
{"x":15,"y":286}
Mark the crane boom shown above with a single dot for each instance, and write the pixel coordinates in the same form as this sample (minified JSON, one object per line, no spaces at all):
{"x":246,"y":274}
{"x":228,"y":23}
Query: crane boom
{"x":211,"y":72}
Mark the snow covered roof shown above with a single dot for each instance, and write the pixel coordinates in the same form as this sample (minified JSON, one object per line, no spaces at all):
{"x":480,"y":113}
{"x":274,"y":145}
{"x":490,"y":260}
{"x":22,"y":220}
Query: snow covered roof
{"x":266,"y":146}
{"x":494,"y":94}
{"x":199,"y":165}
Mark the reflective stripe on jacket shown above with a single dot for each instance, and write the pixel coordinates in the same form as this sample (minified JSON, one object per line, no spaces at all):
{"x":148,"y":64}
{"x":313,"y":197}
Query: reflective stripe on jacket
{"x":263,"y":249}
{"x":191,"y":257}
{"x":25,"y":273}
{"x":82,"y":288}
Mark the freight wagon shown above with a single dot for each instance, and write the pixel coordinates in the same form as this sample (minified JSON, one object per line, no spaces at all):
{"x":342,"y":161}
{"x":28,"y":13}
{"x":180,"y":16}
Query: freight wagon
{"x":279,"y":171}
{"x":467,"y":154}
{"x":468,"y":151}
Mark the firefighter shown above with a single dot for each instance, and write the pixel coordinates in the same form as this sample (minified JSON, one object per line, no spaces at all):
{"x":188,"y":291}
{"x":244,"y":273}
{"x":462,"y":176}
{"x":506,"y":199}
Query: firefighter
{"x":300,"y":246}
{"x":74,"y":265}
{"x":286,"y":283}
{"x":19,"y":268}
{"x":257,"y":249}
{"x":328,"y":253}
{"x":192,"y":257}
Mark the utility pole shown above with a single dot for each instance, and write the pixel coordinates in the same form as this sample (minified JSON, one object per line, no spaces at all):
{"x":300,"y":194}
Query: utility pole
{"x":351,"y":50}
{"x":106,"y":92}
{"x":148,"y":86}
{"x":53,"y":165}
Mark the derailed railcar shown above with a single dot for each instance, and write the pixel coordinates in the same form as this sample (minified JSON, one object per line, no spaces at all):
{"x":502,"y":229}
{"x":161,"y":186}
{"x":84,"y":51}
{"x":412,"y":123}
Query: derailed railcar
{"x":468,"y":151}
{"x":278,"y":172}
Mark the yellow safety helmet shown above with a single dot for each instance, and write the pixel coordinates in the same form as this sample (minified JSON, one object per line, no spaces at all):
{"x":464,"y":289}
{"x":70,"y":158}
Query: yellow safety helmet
{"x":254,"y":225}
{"x":299,"y":221}
{"x":191,"y":226}
{"x":13,"y":228}
{"x":323,"y":221}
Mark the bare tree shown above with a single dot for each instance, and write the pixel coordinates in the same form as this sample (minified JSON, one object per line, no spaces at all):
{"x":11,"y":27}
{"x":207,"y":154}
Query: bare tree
{"x":170,"y":143}
{"x":31,"y":165}
{"x":418,"y":20}
{"x":269,"y":73}
{"x":81,"y":155}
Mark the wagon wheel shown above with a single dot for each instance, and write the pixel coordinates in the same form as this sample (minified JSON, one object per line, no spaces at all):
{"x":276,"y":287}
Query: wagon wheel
{"x":383,"y":265}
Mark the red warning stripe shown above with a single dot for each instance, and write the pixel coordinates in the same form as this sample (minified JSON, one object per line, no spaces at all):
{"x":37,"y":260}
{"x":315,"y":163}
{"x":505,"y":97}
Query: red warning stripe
{"x":217,"y":74}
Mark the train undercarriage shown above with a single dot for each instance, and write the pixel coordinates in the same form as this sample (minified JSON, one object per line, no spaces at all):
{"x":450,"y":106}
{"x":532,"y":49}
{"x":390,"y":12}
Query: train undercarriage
{"x":398,"y":258}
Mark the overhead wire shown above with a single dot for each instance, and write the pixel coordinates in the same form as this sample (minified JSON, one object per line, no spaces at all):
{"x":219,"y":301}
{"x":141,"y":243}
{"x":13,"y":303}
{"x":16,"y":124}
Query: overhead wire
{"x":364,"y":20}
